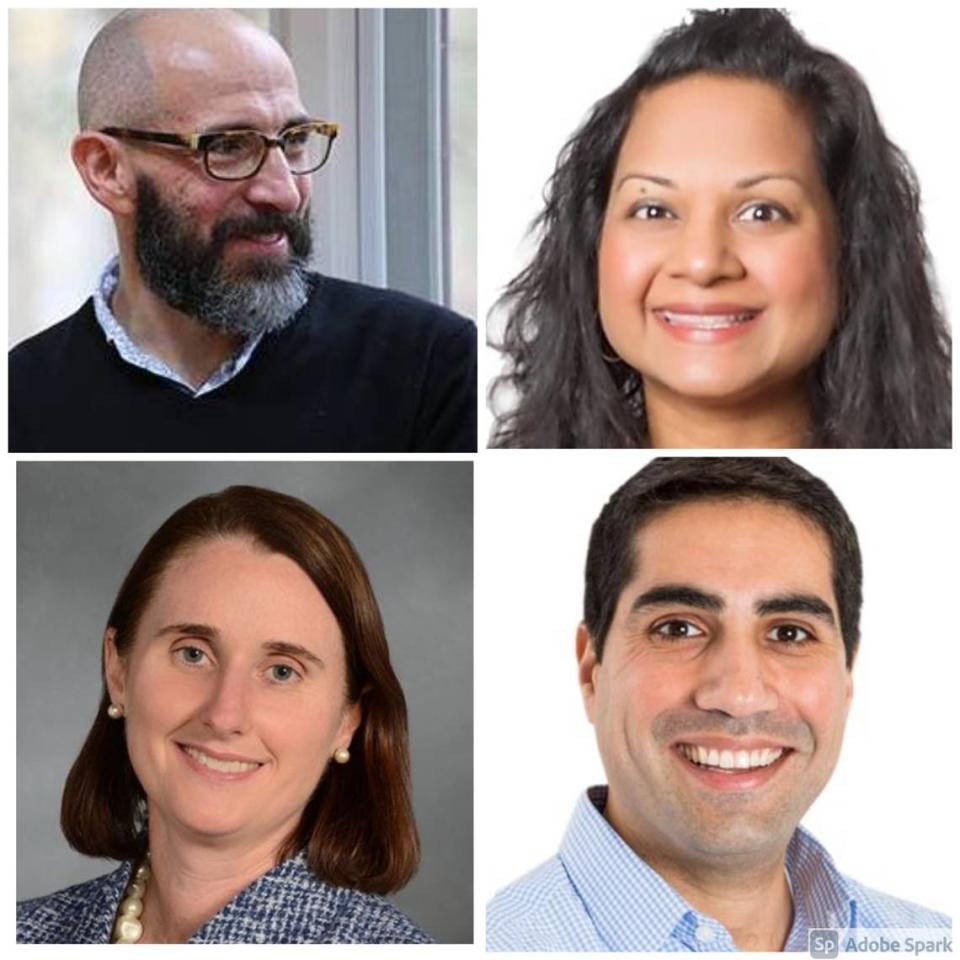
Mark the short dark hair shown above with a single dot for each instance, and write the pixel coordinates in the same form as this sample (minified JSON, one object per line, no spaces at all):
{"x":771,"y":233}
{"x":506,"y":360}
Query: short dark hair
{"x":670,"y":481}
{"x":357,"y":828}
{"x":883,"y":379}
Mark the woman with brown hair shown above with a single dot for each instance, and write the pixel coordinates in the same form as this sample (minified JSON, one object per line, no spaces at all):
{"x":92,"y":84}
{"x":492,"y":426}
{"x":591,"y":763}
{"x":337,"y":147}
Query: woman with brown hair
{"x":249,"y":760}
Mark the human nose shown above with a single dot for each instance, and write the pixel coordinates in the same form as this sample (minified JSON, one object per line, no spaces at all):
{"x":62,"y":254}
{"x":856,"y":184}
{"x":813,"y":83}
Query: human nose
{"x":275,"y":186}
{"x":226,"y":708}
{"x":703,"y":252}
{"x":734,"y":679}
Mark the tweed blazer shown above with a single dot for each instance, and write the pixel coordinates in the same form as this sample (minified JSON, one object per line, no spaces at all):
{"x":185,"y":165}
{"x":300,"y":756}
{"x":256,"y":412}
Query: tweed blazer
{"x":286,"y":905}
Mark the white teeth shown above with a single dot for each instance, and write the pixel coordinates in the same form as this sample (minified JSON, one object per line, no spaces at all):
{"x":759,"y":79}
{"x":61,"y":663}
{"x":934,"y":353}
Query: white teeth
{"x":263,"y":237}
{"x":223,"y":766}
{"x":730,"y":759}
{"x":698,"y":321}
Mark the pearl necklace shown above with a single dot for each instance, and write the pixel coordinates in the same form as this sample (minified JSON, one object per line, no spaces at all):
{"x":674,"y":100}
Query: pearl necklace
{"x":128,"y":928}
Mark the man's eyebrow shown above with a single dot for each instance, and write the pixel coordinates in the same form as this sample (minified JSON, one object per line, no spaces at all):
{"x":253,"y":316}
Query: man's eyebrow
{"x":743,"y":184}
{"x":808,"y":603}
{"x":690,"y":596}
{"x":678,"y":593}
{"x":296,"y":120}
{"x":206,"y":632}
{"x":246,"y":124}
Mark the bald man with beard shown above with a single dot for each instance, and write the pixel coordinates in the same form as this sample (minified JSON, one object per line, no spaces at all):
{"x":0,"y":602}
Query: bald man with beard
{"x":208,"y":332}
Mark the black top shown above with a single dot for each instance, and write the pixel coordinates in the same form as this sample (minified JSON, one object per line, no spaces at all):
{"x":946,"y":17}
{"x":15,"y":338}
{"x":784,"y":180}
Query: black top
{"x":359,"y":369}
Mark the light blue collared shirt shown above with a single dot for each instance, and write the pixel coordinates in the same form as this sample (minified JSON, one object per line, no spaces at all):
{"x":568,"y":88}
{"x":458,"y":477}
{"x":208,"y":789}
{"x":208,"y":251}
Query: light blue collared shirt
{"x":597,"y":894}
{"x":129,"y":351}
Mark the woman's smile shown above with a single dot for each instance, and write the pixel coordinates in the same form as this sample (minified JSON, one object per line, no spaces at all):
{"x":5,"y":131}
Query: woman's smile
{"x":711,"y":324}
{"x":219,"y":766}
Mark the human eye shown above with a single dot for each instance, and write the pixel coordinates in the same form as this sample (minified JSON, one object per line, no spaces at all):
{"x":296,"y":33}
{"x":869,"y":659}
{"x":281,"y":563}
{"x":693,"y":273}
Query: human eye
{"x":297,"y":136}
{"x":763,"y":212}
{"x":651,"y":211}
{"x":190,"y":655}
{"x":230,"y":145}
{"x":283,"y":673}
{"x":676,"y":629}
{"x":298,"y":142}
{"x":790,"y":634}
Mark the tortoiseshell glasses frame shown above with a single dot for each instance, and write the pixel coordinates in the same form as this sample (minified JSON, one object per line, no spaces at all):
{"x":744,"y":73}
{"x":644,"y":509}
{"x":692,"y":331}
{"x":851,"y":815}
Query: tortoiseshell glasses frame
{"x":240,"y":154}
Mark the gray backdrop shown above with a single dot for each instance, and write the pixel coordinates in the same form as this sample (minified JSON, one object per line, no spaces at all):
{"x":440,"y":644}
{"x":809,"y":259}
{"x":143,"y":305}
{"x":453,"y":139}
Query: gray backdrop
{"x":79,"y":527}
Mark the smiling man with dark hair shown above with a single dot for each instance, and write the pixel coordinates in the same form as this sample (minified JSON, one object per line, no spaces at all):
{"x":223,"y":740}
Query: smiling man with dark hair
{"x":208,"y":331}
{"x":721,"y":622}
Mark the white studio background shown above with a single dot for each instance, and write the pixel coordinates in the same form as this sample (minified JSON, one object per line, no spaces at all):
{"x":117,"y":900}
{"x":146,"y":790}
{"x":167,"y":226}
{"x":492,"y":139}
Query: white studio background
{"x":542,"y":69}
{"x":887,"y":816}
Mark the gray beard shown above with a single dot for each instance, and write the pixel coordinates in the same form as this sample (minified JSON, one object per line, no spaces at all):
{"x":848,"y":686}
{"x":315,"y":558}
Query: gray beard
{"x":187,"y":273}
{"x":247,"y":306}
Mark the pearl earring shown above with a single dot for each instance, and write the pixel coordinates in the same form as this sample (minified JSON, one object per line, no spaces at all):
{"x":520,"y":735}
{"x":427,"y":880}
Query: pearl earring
{"x":114,"y":712}
{"x":341,"y":755}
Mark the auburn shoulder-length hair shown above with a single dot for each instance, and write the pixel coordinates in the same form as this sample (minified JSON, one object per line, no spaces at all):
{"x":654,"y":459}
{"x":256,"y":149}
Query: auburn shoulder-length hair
{"x":357,"y":828}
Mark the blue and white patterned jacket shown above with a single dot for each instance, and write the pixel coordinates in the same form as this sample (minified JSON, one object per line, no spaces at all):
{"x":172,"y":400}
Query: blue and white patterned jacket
{"x":286,"y":905}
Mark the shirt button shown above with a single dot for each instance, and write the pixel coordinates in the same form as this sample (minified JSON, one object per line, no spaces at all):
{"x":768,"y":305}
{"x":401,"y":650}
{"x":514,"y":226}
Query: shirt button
{"x":704,"y":933}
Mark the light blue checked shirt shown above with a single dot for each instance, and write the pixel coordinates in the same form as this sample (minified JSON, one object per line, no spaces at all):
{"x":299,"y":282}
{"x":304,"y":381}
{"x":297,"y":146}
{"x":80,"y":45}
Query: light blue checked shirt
{"x":129,"y":351}
{"x":597,"y":894}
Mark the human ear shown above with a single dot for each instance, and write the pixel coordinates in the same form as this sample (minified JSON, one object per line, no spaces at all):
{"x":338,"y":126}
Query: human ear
{"x":349,"y":722}
{"x":104,"y":171}
{"x":114,"y":668}
{"x":587,"y":665}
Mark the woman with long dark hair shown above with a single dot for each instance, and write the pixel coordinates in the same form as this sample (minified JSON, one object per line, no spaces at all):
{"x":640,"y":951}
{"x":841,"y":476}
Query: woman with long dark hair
{"x":730,"y":254}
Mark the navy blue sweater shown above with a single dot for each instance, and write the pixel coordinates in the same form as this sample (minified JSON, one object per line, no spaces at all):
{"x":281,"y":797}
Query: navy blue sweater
{"x":359,"y":369}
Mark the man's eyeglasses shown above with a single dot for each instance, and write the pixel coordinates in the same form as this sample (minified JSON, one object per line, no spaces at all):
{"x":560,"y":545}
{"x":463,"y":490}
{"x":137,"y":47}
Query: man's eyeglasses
{"x":239,"y":154}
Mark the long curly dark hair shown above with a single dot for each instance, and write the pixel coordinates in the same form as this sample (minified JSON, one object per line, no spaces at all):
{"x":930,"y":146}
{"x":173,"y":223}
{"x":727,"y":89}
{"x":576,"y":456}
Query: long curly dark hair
{"x":883,"y":379}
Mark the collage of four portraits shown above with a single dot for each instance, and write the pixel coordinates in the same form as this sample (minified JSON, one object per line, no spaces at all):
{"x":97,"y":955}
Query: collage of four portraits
{"x":348,"y":609}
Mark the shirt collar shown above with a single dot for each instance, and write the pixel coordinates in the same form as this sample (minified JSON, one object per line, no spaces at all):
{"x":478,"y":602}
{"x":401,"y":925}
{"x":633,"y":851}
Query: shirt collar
{"x":116,"y":334}
{"x":626,"y":886}
{"x":615,"y":894}
{"x":821,"y":894}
